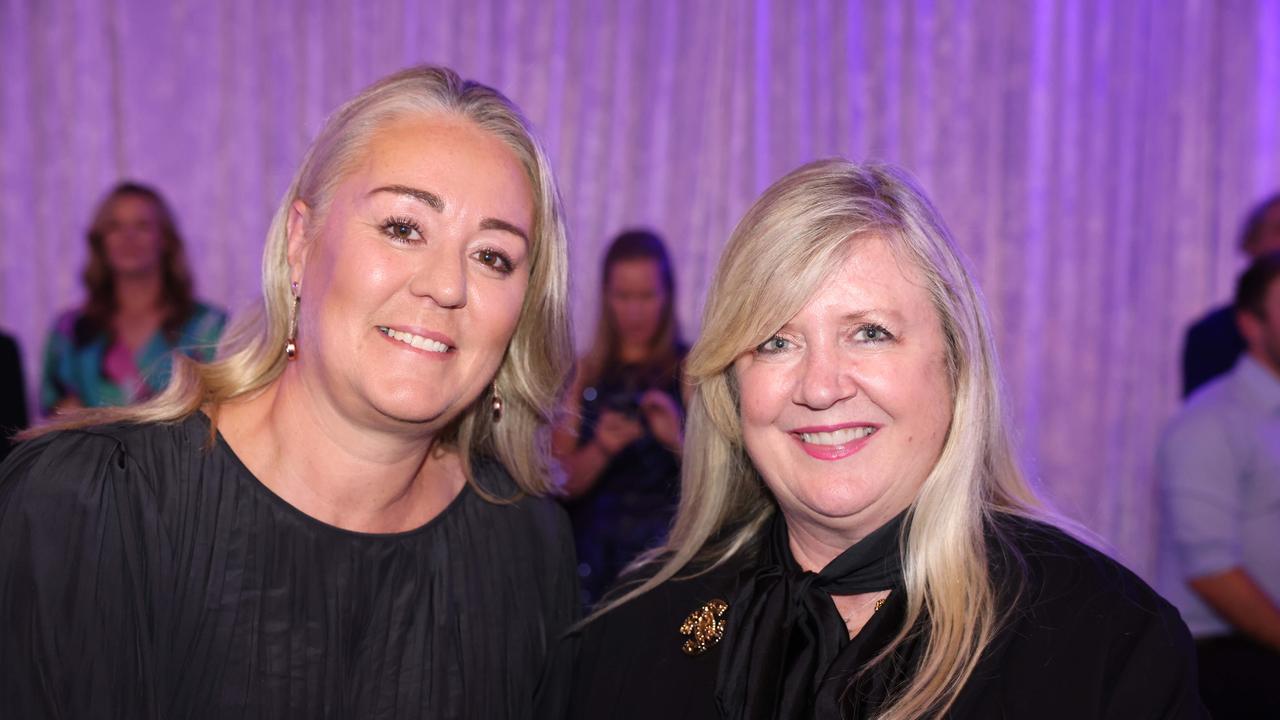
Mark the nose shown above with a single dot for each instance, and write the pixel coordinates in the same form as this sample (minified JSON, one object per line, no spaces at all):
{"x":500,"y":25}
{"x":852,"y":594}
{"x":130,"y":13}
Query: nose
{"x":825,"y":379}
{"x":441,"y":277}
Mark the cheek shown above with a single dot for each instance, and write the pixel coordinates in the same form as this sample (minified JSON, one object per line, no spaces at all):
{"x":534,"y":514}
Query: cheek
{"x":762,"y":392}
{"x":927,"y":395}
{"x":347,"y":286}
{"x":654,"y":311}
{"x":500,"y":303}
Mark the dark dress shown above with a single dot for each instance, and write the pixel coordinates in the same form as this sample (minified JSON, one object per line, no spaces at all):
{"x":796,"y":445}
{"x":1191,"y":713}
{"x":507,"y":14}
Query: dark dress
{"x":630,"y":507}
{"x":1085,"y":639}
{"x":145,"y":574}
{"x":1211,"y":348}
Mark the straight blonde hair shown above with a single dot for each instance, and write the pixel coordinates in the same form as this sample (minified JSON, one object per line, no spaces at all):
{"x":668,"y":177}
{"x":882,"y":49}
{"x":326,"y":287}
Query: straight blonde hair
{"x":783,"y":249}
{"x":540,"y":354}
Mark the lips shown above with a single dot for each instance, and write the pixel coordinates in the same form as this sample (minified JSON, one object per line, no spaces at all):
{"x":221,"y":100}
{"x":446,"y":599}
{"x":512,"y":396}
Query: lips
{"x":426,"y":341}
{"x":834,"y":442}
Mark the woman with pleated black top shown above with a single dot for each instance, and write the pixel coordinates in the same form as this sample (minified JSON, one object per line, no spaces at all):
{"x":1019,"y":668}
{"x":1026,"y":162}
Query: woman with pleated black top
{"x":342,"y":515}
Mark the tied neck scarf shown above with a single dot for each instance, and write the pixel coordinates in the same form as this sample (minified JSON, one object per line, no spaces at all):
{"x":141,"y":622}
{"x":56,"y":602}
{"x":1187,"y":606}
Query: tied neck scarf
{"x":784,"y":631}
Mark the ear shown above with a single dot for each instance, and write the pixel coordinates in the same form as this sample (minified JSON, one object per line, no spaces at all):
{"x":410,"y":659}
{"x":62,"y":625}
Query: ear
{"x":299,"y":239}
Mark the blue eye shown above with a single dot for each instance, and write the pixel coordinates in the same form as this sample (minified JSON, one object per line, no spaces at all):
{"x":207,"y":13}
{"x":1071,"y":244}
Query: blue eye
{"x":775,"y":344}
{"x":873,"y":334}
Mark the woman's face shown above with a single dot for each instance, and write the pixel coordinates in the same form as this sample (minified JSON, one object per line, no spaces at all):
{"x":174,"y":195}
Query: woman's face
{"x":132,"y":241}
{"x":845,"y":410}
{"x":635,"y":297}
{"x":413,"y":279}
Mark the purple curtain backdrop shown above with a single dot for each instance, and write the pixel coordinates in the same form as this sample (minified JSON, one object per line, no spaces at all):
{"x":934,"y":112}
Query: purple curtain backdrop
{"x":1093,"y":158}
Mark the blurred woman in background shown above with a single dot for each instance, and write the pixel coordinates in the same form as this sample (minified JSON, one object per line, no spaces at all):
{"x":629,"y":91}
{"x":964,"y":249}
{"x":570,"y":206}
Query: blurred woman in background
{"x":117,"y":348}
{"x":621,"y":439}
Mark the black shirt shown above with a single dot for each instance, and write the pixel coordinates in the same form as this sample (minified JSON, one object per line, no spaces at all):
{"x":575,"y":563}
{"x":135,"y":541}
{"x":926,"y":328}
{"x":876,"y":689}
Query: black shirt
{"x":13,"y":395}
{"x":1211,"y":348}
{"x":1085,"y":638}
{"x":147,"y":574}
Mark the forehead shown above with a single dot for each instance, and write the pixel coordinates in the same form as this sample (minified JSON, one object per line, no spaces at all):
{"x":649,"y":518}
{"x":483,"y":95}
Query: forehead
{"x":635,"y":273}
{"x":870,"y":276}
{"x":449,"y":156}
{"x":130,"y":204}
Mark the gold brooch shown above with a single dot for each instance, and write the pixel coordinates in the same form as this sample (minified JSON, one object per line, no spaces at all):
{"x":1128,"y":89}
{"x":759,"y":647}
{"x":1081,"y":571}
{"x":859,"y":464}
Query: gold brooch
{"x":704,"y":626}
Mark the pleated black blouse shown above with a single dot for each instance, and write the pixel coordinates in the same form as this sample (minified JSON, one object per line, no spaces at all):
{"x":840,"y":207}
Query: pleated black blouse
{"x":147,"y":574}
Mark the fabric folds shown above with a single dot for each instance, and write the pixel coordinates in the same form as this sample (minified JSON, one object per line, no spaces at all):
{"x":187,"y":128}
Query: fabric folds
{"x":784,"y":631}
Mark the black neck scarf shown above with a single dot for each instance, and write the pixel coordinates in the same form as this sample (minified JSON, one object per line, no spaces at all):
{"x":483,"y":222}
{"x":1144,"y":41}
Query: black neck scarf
{"x":783,"y":630}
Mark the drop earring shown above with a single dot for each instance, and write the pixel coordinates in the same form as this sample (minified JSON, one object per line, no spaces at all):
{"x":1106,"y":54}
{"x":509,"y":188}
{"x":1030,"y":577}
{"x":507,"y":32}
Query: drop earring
{"x":497,"y":404}
{"x":291,"y":343}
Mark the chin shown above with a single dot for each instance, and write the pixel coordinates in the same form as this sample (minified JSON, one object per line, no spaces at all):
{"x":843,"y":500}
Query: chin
{"x":834,"y":505}
{"x":417,"y":408}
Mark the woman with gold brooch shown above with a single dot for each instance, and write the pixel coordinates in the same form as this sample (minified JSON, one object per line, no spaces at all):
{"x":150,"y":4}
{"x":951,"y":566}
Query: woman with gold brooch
{"x":855,"y":538}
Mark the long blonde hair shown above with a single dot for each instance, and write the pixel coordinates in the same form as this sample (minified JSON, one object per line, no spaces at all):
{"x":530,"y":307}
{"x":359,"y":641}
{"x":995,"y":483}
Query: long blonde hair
{"x":784,"y":248}
{"x":531,"y":377}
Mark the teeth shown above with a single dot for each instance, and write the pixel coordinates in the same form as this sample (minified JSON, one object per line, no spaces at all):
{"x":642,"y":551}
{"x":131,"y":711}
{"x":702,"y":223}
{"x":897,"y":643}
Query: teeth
{"x":415,"y":340}
{"x":838,"y":437}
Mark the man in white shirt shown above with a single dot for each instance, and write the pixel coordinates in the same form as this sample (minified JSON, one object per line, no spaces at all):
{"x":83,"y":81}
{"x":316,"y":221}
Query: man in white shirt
{"x":1219,"y":467}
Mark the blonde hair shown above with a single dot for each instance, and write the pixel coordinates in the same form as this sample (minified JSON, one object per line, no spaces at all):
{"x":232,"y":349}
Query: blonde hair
{"x":531,"y":377}
{"x":785,"y":247}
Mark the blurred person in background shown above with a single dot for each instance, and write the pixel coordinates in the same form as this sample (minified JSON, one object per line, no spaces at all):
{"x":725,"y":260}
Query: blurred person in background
{"x":342,"y":515}
{"x":1214,"y":343}
{"x":620,"y":441}
{"x":13,"y":394}
{"x":1219,"y":472}
{"x":140,"y":309}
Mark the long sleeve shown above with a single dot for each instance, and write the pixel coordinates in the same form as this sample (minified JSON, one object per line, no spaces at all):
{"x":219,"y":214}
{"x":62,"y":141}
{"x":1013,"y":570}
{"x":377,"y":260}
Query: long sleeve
{"x":1200,"y":476}
{"x":70,"y":583}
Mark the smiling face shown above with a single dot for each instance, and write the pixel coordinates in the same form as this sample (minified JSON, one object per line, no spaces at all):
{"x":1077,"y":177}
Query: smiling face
{"x":845,"y":410}
{"x":413,"y":280}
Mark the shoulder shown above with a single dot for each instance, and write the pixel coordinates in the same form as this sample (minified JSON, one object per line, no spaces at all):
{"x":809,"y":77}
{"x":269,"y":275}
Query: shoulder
{"x":204,"y":315}
{"x":70,"y":461}
{"x":1203,"y":414}
{"x":64,"y":325}
{"x":1216,"y":322}
{"x":1071,"y":607}
{"x":201,"y":309}
{"x":60,"y":480}
{"x":1080,"y":633}
{"x":10,"y":358}
{"x":1059,"y":571}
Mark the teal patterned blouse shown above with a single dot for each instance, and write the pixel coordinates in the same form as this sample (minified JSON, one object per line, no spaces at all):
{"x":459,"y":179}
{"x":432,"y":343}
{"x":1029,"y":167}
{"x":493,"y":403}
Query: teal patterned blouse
{"x":82,"y":370}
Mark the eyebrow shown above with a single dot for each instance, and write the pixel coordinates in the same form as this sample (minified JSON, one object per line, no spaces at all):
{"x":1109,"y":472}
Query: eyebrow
{"x":436,"y":203}
{"x":429,"y":198}
{"x":870,"y":313}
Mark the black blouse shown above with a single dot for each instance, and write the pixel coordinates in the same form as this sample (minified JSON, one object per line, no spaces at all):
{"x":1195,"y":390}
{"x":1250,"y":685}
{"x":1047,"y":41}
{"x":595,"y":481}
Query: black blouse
{"x":1085,"y":638}
{"x":145,"y":574}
